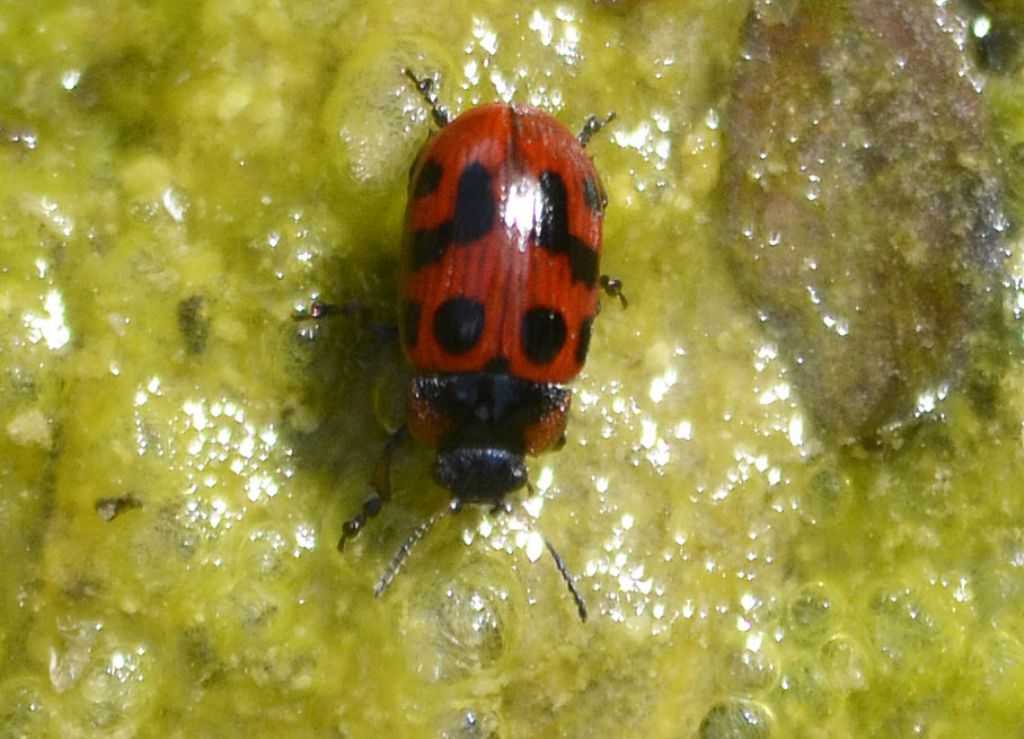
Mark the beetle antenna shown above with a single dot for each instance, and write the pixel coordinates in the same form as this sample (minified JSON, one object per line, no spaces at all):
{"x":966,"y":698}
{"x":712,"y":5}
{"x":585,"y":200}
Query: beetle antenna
{"x":581,"y":605}
{"x":411,"y":541}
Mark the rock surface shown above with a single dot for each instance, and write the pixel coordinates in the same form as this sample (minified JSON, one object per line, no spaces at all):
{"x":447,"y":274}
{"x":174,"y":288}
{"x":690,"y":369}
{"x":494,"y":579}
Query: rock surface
{"x":864,"y":216}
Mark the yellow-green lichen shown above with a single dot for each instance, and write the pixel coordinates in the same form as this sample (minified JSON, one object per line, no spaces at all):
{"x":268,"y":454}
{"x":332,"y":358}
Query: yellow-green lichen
{"x":179,"y":178}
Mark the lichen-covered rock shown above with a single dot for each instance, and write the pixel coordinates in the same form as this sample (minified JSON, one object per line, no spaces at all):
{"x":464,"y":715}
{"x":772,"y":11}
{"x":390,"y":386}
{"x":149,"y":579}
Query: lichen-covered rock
{"x":864,"y":216}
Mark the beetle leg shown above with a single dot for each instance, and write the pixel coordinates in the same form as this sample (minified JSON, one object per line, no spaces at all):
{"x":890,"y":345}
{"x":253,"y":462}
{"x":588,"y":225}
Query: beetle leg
{"x":381,"y":482}
{"x":613,"y":289}
{"x":503,"y":506}
{"x":425,"y":86}
{"x":319,"y":309}
{"x":592,"y":125}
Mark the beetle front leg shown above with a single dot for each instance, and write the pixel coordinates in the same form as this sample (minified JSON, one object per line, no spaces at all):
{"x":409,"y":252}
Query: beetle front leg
{"x":381,"y":482}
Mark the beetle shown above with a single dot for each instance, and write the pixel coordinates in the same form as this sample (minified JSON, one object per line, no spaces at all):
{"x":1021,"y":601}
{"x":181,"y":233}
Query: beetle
{"x":498,"y":291}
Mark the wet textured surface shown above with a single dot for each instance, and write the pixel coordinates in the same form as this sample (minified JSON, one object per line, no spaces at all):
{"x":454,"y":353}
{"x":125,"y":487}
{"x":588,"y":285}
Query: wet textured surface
{"x":176,"y":471}
{"x":865,"y":215}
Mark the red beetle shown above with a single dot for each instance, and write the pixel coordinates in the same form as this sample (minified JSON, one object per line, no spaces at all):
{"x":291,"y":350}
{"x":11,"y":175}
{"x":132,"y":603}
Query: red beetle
{"x":497,"y":298}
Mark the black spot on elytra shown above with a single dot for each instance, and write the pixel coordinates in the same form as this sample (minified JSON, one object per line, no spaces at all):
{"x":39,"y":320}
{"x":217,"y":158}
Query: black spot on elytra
{"x":593,"y":195}
{"x":428,"y":179}
{"x":430,"y":244}
{"x":475,"y":207}
{"x":543,"y":334}
{"x":459,"y":324}
{"x":583,"y":346}
{"x":553,"y":230}
{"x":475,"y":213}
{"x":411,"y":322}
{"x":583,"y":262}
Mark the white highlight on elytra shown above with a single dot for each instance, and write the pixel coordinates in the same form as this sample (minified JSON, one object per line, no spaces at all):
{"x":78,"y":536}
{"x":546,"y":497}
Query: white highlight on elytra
{"x":524,"y":207}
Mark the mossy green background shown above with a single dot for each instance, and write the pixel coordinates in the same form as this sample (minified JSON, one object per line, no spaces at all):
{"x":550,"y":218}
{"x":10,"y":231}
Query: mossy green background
{"x":179,"y":178}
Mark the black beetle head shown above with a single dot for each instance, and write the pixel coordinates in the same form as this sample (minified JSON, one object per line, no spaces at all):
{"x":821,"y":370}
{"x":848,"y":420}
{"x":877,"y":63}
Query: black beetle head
{"x":480,"y":475}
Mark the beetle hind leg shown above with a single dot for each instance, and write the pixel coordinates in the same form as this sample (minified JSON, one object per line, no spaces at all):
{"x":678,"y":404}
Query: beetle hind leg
{"x":592,"y":125}
{"x":442,"y":117}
